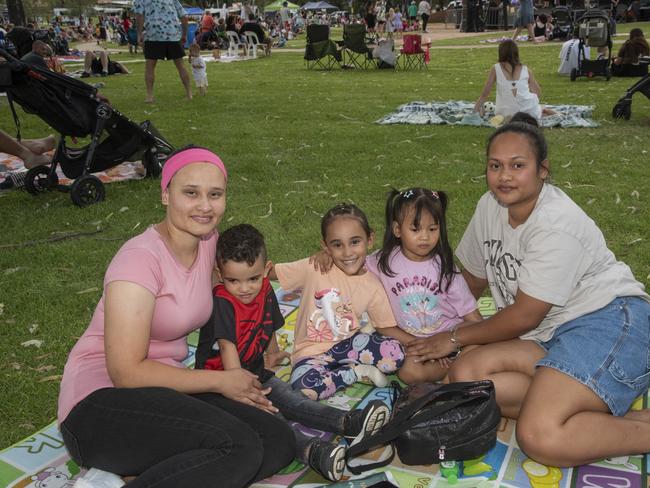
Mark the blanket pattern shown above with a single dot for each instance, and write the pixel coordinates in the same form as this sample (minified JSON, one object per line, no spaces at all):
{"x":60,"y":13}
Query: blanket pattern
{"x":41,"y":460}
{"x":459,"y":112}
{"x":129,"y":170}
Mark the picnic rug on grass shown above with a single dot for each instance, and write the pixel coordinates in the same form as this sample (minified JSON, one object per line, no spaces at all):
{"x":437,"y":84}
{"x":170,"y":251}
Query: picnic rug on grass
{"x":459,"y":112}
{"x":41,"y":461}
{"x":129,"y":170}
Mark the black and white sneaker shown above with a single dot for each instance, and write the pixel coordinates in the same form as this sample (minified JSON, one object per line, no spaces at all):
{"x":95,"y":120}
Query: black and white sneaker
{"x":14,"y":180}
{"x":373,"y":417}
{"x":327,"y":459}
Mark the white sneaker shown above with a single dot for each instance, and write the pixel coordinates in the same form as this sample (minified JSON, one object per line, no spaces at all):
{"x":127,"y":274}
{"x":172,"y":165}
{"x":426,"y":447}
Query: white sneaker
{"x":367,"y":373}
{"x":96,"y":478}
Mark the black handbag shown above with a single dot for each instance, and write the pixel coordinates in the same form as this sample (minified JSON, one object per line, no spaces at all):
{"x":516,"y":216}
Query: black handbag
{"x":431,"y":423}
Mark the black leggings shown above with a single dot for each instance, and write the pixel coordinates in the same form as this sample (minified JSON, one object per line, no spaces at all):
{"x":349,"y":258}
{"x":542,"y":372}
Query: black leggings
{"x":170,"y":439}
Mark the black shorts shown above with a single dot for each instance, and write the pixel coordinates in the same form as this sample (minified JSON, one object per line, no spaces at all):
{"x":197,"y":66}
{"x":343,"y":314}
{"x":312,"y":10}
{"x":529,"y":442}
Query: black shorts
{"x":96,"y":67}
{"x":163,"y":50}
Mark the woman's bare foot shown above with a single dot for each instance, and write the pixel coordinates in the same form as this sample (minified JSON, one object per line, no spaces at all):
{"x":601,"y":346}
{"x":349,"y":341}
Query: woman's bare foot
{"x":31,"y":159}
{"x":149,"y":100}
{"x":40,"y":146}
{"x":640,"y":415}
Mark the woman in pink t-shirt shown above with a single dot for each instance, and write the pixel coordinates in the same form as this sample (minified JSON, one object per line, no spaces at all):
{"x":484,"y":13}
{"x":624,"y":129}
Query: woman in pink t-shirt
{"x":127,"y":404}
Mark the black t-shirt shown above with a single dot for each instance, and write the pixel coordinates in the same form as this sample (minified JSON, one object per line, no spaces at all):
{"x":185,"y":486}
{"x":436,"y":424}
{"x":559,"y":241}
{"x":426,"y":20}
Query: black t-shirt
{"x":34,"y":59}
{"x":253,"y":27}
{"x":249,"y":327}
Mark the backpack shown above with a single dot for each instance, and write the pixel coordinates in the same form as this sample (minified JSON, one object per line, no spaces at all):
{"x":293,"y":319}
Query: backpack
{"x":431,"y":423}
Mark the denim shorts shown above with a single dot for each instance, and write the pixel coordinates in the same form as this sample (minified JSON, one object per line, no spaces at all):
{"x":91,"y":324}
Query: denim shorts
{"x":608,"y":351}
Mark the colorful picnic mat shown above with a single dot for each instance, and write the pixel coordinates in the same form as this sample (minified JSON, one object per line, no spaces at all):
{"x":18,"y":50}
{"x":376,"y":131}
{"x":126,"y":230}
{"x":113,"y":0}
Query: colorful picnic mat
{"x":460,"y":112}
{"x":41,"y":461}
{"x":129,"y":170}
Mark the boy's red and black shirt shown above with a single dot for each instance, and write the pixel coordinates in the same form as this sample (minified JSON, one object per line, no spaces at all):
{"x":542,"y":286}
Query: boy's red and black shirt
{"x":248,"y":326}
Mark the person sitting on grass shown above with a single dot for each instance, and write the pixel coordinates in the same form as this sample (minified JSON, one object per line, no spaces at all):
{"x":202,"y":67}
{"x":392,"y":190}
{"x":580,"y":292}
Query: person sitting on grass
{"x":128,"y":405}
{"x":627,"y":61}
{"x":567,"y":349}
{"x":517,"y":88}
{"x":241,"y":333}
{"x":31,"y":151}
{"x":38,"y":55}
{"x":98,"y":63}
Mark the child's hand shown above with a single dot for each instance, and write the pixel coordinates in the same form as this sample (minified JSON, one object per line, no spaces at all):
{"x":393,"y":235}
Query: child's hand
{"x":273,"y":359}
{"x":434,"y":347}
{"x":322,"y":261}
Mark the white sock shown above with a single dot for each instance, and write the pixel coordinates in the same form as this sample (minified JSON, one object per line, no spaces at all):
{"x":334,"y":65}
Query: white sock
{"x":96,"y":478}
{"x":370,"y":373}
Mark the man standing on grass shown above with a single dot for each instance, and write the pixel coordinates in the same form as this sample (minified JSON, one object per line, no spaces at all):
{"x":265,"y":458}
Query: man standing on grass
{"x":163,"y":38}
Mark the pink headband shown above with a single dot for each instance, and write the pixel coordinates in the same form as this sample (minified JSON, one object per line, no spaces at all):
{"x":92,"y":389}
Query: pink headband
{"x":192,"y":155}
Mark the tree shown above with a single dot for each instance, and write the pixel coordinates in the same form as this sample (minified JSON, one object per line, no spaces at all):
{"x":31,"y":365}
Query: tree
{"x":16,"y":12}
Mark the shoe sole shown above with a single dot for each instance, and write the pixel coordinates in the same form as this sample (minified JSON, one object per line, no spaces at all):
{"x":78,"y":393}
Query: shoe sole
{"x":338,"y":464}
{"x":373,"y":422}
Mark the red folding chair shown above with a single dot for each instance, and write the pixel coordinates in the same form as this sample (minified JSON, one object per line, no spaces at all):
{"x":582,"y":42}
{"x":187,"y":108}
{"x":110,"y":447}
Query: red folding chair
{"x":412,"y":56}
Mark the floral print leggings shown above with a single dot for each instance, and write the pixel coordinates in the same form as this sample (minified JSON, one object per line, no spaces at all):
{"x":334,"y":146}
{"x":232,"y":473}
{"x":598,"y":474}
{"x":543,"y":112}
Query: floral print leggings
{"x":321,"y":376}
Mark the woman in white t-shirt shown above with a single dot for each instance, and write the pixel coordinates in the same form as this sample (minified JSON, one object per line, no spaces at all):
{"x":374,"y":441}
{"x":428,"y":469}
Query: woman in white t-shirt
{"x":568,"y":349}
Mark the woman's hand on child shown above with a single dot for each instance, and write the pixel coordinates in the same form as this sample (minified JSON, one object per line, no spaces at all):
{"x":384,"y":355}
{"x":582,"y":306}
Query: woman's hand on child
{"x":435,"y":347}
{"x":322,"y":261}
{"x":273,"y":359}
{"x":243,"y":386}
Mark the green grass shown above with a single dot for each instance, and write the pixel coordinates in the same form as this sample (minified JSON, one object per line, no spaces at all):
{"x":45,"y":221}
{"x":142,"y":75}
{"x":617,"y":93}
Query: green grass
{"x":295,"y":142}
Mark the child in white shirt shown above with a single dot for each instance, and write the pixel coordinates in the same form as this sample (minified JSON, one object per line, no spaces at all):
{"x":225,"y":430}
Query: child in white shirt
{"x":198,"y":69}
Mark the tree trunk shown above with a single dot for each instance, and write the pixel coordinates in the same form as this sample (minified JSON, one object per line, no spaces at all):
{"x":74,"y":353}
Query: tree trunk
{"x":16,"y":12}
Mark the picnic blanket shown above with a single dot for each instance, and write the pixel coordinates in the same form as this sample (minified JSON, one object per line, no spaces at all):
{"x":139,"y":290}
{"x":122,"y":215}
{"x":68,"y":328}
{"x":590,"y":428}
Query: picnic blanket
{"x":459,"y":112}
{"x":130,"y":170}
{"x":41,"y":459}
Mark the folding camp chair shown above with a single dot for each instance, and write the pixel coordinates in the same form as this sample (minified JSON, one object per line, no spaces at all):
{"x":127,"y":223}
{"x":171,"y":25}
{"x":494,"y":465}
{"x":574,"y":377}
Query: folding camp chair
{"x":412,"y":56}
{"x":253,"y":43}
{"x":355,"y":50}
{"x":320,"y":50}
{"x":234,"y":43}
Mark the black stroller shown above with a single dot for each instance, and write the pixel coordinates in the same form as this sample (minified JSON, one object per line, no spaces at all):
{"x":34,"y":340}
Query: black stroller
{"x":623,"y":108}
{"x":593,"y":31}
{"x":562,"y":23}
{"x":74,"y":109}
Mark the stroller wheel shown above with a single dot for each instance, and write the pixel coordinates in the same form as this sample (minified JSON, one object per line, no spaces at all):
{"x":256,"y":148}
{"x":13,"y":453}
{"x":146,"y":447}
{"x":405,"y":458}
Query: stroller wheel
{"x":86,"y":190}
{"x":38,"y":180}
{"x":622,"y":110}
{"x":574,"y":74}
